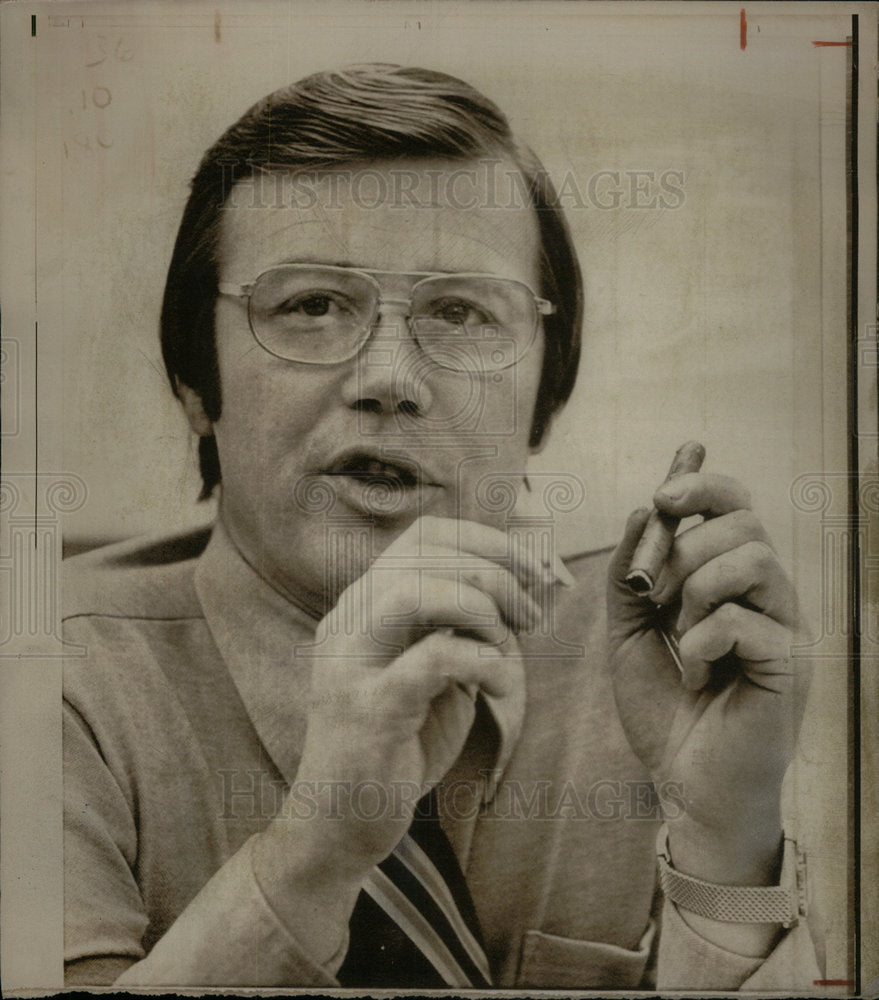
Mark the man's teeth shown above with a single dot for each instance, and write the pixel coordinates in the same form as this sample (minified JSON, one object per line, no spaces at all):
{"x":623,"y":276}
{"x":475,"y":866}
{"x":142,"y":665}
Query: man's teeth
{"x":374,"y":468}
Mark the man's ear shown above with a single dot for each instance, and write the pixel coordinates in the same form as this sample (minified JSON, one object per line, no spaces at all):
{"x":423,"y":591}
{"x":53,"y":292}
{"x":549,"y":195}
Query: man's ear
{"x":192,"y":407}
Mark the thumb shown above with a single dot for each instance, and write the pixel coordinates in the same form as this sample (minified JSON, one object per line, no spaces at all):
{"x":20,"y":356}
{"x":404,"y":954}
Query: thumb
{"x":625,"y":610}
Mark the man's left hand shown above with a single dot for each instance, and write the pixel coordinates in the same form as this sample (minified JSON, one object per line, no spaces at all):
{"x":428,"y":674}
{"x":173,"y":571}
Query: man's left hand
{"x":723,"y":733}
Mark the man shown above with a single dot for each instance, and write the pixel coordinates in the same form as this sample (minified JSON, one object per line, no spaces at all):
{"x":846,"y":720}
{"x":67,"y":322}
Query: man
{"x":304,"y":747}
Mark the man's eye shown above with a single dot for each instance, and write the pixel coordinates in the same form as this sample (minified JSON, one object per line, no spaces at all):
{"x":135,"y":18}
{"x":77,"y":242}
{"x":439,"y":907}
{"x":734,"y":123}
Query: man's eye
{"x":313,"y":304}
{"x":457,"y":311}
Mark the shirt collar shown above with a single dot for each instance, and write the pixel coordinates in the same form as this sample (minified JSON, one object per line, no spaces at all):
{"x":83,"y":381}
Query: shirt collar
{"x":256,"y":629}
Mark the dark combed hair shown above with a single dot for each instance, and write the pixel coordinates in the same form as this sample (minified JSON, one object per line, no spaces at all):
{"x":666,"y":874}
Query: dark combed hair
{"x":356,"y":115}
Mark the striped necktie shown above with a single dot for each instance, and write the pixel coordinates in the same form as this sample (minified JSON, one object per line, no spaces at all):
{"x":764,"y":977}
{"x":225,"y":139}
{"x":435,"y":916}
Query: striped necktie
{"x":414,"y":924}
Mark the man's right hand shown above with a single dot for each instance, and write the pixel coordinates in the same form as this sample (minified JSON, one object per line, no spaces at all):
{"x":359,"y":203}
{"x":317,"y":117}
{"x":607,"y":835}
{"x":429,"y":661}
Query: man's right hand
{"x":397,"y":662}
{"x":395,"y":668}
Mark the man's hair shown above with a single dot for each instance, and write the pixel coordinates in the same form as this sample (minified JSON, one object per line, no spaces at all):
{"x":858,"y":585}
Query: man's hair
{"x":356,"y":115}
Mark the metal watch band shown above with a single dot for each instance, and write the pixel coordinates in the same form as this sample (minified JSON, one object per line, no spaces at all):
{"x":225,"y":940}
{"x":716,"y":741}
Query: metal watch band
{"x":773,"y":904}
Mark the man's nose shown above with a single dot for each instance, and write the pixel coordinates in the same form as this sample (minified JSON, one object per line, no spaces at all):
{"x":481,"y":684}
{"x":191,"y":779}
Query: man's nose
{"x":392,"y":373}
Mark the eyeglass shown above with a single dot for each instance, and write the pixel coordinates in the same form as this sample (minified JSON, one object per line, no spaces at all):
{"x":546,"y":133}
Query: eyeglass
{"x":322,"y":314}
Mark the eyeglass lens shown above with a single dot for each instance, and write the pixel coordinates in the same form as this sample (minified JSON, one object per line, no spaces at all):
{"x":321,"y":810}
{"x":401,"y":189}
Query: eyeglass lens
{"x":462,"y":322}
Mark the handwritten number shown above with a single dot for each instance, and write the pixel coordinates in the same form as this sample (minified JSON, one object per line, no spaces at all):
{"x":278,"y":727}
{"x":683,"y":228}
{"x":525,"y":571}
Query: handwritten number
{"x":124,"y":51}
{"x":102,"y":52}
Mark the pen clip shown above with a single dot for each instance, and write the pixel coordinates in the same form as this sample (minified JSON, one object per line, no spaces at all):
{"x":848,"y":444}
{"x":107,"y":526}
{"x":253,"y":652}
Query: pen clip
{"x":671,"y":644}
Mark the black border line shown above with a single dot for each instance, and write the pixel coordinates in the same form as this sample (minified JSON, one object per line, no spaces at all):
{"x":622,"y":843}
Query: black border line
{"x":36,"y":425}
{"x":36,"y":313}
{"x":853,"y":479}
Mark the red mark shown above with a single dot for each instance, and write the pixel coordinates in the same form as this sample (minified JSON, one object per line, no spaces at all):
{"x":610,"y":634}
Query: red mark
{"x":833,"y":982}
{"x":827,"y":44}
{"x":743,"y":30}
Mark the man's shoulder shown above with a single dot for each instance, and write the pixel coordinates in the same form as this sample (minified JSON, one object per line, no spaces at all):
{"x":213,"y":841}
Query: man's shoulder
{"x":149,"y":577}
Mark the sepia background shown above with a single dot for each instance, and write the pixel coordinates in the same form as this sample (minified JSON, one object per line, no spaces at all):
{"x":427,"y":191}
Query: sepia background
{"x":702,"y":163}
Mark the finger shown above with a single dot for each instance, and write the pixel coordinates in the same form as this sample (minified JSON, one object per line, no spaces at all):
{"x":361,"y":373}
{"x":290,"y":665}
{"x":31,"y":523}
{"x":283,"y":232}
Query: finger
{"x":763,"y":646}
{"x":536,"y":563}
{"x":705,"y":493}
{"x":703,"y":542}
{"x":401,"y":616}
{"x":622,"y":557}
{"x":438,"y":662}
{"x":625,"y":609}
{"x":517,"y":605}
{"x":750,"y":575}
{"x":528,"y":563}
{"x":444,"y":731}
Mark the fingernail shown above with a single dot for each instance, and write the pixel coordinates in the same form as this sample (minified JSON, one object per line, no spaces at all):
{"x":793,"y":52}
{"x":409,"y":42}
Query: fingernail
{"x":670,"y":492}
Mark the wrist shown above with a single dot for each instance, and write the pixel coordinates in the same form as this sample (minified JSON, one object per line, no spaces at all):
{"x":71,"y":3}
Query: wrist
{"x":310,"y":882}
{"x":745,"y":919}
{"x":734,"y":854}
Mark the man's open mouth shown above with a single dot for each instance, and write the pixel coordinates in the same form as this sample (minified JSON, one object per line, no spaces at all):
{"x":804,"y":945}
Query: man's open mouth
{"x":371,"y":470}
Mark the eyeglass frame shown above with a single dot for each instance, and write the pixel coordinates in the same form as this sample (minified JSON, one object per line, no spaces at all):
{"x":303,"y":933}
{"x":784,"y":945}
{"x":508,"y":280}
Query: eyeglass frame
{"x":543,"y":307}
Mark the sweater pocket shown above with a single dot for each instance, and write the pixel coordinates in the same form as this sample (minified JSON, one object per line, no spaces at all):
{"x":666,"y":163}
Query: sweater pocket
{"x":552,"y":962}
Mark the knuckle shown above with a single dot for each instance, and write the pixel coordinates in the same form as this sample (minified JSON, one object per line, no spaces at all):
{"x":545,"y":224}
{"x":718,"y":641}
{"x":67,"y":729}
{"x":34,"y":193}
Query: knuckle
{"x":443,"y":651}
{"x":734,"y":488}
{"x":742,"y":517}
{"x":490,"y":581}
{"x":760,"y":555}
{"x":438,"y":645}
{"x":740,"y":491}
{"x":476,"y":578}
{"x":475,"y":601}
{"x":694,"y":592}
{"x":746,"y":524}
{"x":727,"y":615}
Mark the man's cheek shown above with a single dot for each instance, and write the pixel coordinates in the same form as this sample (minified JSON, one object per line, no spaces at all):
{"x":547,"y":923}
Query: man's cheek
{"x":489,"y":498}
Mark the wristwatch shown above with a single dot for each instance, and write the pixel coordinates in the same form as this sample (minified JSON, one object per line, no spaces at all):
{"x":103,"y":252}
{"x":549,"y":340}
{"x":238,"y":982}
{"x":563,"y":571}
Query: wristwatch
{"x":783,"y":904}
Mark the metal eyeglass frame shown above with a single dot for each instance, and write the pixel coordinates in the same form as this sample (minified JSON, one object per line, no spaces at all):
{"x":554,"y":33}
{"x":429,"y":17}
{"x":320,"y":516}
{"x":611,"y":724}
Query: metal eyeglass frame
{"x":543,"y":307}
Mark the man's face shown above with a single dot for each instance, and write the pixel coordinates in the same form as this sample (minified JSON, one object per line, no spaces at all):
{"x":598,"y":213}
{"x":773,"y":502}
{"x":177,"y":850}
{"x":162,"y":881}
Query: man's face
{"x":373,"y":442}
